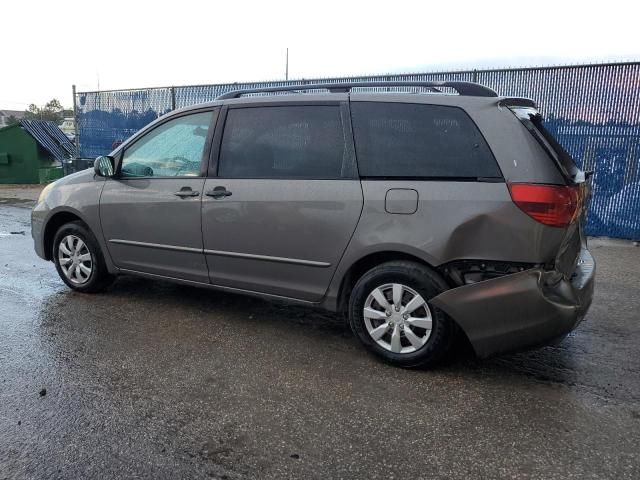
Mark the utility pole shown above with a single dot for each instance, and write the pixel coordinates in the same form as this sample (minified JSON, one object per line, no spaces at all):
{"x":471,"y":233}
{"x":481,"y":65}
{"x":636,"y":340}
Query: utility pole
{"x":286,"y":67}
{"x":75,"y":122}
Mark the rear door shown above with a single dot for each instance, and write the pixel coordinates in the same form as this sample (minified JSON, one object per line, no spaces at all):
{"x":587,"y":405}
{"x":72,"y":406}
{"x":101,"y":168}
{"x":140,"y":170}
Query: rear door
{"x":150,"y":212}
{"x":286,"y":199}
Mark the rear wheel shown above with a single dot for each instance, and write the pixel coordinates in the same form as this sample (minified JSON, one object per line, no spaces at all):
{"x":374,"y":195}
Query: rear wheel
{"x":79,"y":260}
{"x":389,"y":312}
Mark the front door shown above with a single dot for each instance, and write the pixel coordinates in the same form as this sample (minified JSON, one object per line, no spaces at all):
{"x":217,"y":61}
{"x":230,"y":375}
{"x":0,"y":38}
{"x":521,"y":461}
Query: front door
{"x":286,"y":200}
{"x":150,"y":212}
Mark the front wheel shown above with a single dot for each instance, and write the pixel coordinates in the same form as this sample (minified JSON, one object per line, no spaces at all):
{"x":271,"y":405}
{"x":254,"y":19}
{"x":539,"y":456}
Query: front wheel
{"x":389,"y":312}
{"x":79,"y":260}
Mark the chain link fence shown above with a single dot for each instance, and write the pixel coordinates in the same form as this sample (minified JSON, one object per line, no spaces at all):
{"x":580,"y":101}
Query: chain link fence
{"x":594,"y":110}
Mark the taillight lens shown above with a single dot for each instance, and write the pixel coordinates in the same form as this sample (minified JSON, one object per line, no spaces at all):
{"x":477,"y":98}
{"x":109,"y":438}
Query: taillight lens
{"x":554,"y":205}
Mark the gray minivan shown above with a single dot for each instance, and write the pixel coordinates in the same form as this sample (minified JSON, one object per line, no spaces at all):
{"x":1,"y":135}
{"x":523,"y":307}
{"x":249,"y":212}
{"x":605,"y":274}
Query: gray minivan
{"x":418,"y":209}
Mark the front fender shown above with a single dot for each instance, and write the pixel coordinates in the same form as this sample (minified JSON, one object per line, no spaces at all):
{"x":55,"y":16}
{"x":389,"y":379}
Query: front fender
{"x":78,"y":196}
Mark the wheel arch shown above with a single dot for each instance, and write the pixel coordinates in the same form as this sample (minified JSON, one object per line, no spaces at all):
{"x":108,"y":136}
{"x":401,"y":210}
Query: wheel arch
{"x":365,"y":263}
{"x":54,"y":222}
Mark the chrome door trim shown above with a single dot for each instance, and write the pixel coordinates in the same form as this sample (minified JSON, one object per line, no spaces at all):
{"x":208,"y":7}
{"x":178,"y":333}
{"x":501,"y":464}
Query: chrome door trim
{"x":250,"y":256}
{"x":267,"y":258}
{"x":156,"y":245}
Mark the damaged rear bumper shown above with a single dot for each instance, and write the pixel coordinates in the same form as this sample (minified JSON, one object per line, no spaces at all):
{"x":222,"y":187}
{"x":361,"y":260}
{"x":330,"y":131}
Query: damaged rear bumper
{"x":521,"y":310}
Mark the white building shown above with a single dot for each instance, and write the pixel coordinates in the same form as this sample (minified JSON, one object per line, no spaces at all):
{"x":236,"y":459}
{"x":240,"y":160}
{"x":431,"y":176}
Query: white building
{"x":68,"y":127}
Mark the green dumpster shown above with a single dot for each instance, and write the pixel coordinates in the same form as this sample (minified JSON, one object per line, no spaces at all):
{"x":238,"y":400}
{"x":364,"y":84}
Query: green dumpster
{"x":32,"y":152}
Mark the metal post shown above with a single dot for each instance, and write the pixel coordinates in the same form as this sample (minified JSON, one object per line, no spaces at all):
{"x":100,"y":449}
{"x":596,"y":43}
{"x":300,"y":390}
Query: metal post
{"x":286,"y":68}
{"x":75,"y":122}
{"x":173,"y":98}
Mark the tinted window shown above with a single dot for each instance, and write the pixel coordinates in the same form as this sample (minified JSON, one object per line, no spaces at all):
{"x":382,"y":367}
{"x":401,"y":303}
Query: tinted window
{"x":173,"y":149}
{"x":410,"y":140}
{"x":282,"y":142}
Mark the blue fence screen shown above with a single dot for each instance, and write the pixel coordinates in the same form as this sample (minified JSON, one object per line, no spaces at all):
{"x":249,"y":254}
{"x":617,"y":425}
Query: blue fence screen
{"x":593,"y":110}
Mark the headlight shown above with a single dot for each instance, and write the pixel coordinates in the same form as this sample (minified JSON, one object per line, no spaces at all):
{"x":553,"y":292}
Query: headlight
{"x":45,"y":191}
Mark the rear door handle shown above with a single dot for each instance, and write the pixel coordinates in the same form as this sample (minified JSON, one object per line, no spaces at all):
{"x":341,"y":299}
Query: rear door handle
{"x":219,"y":192}
{"x":186,"y":192}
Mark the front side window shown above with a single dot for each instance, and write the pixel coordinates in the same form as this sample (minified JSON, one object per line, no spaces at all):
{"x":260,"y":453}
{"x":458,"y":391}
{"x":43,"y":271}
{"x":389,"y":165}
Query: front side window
{"x":283,"y":142}
{"x":174,"y":149}
{"x":419,"y":141}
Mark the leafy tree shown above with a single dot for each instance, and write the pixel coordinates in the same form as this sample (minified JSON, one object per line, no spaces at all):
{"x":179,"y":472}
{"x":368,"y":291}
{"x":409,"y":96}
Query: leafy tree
{"x":52,"y":111}
{"x":54,"y":105}
{"x":32,"y":112}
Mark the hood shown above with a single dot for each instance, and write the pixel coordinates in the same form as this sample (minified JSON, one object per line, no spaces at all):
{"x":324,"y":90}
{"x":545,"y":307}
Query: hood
{"x":82,"y":176}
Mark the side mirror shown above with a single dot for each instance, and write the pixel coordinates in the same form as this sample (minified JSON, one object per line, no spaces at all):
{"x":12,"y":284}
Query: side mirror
{"x":104,"y":166}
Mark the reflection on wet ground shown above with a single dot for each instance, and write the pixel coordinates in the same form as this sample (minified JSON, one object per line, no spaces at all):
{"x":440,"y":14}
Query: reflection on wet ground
{"x":157,"y":380}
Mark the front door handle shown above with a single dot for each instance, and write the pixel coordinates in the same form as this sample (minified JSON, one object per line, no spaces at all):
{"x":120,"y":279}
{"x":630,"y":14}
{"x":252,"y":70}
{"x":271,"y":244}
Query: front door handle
{"x":219,"y":192}
{"x":186,"y":192}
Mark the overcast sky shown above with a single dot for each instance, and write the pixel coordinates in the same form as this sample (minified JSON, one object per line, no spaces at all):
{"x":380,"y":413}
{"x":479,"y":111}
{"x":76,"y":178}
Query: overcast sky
{"x":49,"y":45}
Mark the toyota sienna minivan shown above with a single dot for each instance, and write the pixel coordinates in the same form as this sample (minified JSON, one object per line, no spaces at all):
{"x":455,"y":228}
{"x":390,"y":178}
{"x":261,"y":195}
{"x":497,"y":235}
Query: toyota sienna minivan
{"x":417,"y":209}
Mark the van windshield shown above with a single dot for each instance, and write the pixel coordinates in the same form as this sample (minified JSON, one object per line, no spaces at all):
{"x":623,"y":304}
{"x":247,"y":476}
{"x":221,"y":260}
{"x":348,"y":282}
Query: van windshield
{"x":533,"y":122}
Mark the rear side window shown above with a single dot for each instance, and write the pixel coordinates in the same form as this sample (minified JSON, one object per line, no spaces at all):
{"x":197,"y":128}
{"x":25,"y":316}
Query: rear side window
{"x":283,"y":142}
{"x":419,"y":141}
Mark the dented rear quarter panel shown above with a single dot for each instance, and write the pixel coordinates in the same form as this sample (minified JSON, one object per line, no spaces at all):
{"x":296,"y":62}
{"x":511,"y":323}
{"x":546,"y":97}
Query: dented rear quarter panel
{"x":454,"y":221}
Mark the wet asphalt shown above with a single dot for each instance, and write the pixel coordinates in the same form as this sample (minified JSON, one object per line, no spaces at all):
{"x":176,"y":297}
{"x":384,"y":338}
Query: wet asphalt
{"x":155,"y":380}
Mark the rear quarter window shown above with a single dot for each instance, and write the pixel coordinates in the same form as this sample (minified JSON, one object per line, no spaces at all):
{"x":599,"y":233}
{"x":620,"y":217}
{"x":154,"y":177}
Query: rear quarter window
{"x":419,"y":141}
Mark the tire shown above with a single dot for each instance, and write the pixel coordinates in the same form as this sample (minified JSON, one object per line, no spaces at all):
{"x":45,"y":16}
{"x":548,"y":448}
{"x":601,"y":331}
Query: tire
{"x":430,"y":346}
{"x":99,"y":277}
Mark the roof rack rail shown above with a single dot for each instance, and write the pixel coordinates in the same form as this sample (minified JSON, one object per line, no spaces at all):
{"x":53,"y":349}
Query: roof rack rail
{"x":468,"y":89}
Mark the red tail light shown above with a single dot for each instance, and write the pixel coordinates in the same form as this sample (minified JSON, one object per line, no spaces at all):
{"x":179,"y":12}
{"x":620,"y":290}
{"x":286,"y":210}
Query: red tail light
{"x":554,"y":205}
